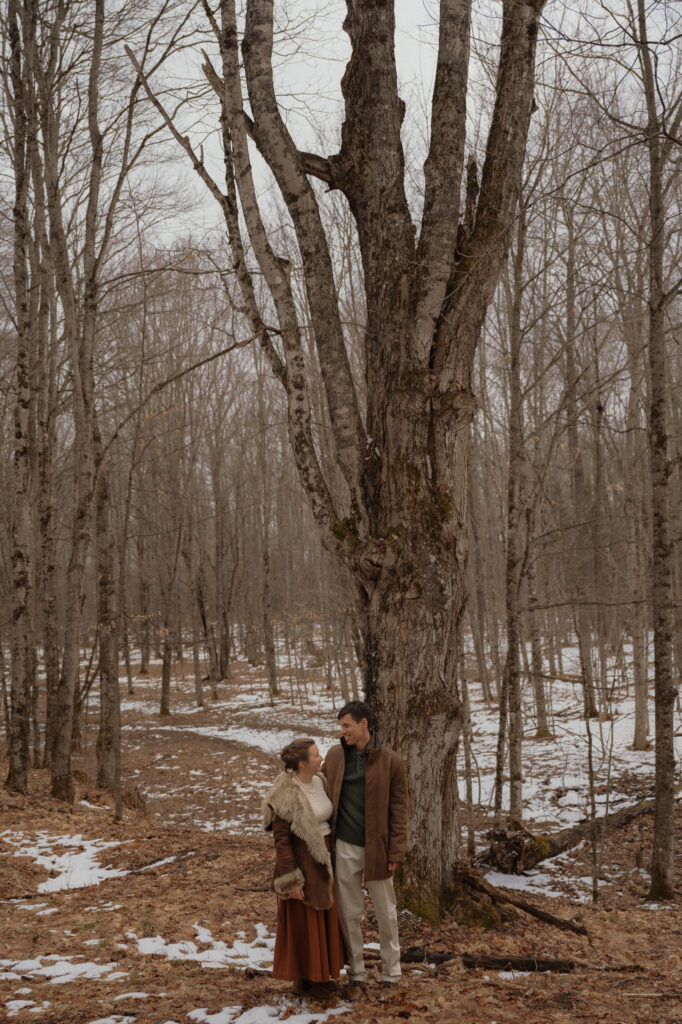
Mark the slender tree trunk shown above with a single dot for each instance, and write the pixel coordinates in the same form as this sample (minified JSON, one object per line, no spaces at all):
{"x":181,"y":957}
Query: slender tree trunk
{"x":477,"y":608}
{"x":579,"y":495}
{"x":514,"y":520}
{"x":663,"y":857}
{"x":196,"y":663}
{"x":20,"y":698}
{"x":536,"y":653}
{"x":207,"y":631}
{"x":145,"y":612}
{"x":109,"y":735}
{"x":265,"y":513}
{"x":166,"y":664}
{"x":503,"y":717}
{"x":468,"y":773}
{"x":125,"y":643}
{"x":599,"y":510}
{"x":636,"y":552}
{"x":79,"y":325}
{"x":47,"y":518}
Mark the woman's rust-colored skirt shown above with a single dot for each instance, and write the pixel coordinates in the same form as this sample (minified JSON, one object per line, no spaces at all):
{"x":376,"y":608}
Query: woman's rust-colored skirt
{"x":308,"y":942}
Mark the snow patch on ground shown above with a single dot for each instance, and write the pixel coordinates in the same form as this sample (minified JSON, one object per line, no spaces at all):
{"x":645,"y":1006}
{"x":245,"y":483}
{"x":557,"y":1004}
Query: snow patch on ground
{"x":217,"y":954}
{"x":263,"y":1015}
{"x":58,"y":970}
{"x":271,"y":741}
{"x":74,"y":869}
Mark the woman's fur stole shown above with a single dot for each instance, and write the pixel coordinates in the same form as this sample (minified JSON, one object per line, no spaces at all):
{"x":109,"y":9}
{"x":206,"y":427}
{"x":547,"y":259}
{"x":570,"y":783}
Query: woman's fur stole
{"x":286,"y":801}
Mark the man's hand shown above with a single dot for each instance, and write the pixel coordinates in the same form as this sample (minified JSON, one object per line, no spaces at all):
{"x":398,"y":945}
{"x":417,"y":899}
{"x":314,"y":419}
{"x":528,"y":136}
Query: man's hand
{"x":392,"y":866}
{"x":296,"y":894}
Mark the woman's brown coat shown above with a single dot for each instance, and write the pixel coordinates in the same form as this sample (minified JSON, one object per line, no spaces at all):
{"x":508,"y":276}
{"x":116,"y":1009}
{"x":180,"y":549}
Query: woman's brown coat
{"x":302,"y":858}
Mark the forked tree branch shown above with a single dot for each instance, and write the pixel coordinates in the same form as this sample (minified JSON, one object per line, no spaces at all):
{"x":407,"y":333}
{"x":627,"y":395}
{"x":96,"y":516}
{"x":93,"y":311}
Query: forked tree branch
{"x":312,"y":163}
{"x":480,"y":264}
{"x":442,"y":171}
{"x":279,"y":151}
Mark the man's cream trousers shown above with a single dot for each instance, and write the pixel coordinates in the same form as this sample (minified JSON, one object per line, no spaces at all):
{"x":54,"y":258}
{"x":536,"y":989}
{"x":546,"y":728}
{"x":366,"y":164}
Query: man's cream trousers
{"x":350,"y":860}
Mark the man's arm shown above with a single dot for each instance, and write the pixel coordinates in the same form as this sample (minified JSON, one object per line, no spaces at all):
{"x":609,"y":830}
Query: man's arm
{"x":398,"y":813}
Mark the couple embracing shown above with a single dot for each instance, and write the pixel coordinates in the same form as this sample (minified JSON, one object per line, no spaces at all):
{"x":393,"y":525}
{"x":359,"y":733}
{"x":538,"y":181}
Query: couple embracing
{"x":355,"y":806}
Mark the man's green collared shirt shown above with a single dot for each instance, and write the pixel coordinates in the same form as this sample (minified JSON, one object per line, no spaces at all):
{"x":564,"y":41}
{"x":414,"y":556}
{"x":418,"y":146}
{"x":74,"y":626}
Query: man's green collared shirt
{"x":350,"y":822}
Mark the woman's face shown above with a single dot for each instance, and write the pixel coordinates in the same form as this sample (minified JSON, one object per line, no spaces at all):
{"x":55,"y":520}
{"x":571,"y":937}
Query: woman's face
{"x":315,"y":759}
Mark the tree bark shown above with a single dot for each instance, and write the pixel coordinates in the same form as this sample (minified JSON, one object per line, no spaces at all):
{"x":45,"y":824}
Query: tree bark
{"x":663,"y":856}
{"x":145,"y":612}
{"x":20,"y":691}
{"x":514,"y":522}
{"x":578,"y":488}
{"x":265,"y":512}
{"x":109,"y":734}
{"x":542,"y":726}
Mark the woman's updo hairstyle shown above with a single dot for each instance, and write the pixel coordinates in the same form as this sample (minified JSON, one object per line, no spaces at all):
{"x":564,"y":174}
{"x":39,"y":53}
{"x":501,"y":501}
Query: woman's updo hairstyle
{"x":295,"y":752}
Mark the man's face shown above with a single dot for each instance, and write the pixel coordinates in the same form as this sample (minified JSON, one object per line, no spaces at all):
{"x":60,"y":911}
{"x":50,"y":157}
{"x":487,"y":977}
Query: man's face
{"x":356,"y":734}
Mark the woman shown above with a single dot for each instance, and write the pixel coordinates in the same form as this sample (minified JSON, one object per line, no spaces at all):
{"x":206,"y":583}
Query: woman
{"x":308,"y":946}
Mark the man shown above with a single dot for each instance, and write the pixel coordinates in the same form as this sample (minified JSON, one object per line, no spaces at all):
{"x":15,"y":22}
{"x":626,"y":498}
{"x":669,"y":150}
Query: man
{"x":368,"y":788}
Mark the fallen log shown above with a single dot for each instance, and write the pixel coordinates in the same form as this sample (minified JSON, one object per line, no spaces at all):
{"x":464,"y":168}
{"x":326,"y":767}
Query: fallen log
{"x":516,"y":849}
{"x":516,"y":963}
{"x":416,"y":955}
{"x":466,"y":876}
{"x":421,"y":955}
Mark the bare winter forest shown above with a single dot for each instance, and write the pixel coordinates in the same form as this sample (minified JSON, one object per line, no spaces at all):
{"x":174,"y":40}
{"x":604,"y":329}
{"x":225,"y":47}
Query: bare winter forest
{"x":343,"y":358}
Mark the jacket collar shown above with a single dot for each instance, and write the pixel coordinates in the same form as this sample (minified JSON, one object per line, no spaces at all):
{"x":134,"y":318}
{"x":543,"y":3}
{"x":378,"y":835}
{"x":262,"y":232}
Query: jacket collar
{"x":374,"y":743}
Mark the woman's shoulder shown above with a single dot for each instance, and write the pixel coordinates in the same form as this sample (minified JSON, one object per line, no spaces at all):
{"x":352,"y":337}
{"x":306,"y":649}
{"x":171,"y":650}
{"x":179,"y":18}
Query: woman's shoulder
{"x":277,"y":803}
{"x":283,"y":784}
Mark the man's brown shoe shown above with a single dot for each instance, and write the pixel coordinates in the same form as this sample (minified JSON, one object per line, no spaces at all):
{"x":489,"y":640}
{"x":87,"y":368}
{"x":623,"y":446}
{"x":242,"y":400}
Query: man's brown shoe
{"x":355,"y":991}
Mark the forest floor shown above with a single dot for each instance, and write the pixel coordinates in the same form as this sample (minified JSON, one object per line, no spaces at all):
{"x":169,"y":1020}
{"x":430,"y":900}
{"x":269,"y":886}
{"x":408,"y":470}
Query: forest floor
{"x":168,"y":916}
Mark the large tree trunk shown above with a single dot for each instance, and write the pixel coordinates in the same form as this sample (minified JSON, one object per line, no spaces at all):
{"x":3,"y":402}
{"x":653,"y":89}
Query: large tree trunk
{"x":402,"y":532}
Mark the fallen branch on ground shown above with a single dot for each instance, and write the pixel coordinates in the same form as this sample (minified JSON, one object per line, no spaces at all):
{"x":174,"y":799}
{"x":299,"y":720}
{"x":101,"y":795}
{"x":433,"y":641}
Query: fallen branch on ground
{"x":516,"y":963}
{"x":466,"y":876}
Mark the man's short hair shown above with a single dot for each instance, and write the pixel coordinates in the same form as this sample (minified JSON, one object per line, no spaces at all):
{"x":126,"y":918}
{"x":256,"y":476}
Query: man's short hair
{"x":357,"y":709}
